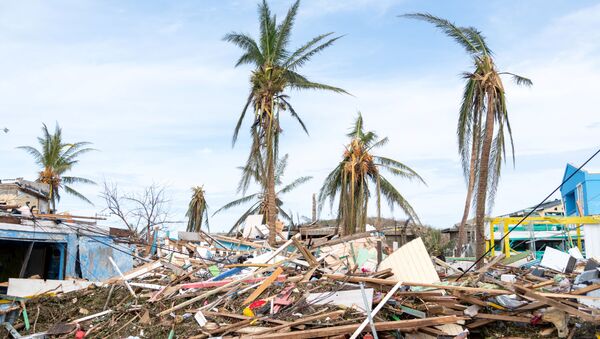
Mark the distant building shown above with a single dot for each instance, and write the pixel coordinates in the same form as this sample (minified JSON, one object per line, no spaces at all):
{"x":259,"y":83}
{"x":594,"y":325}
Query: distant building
{"x":550,"y":208}
{"x":581,"y":196}
{"x":583,"y":189}
{"x":15,"y":193}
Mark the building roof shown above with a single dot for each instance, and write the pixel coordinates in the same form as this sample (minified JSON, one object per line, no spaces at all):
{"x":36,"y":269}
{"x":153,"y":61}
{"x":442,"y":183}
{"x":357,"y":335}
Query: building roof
{"x":34,"y":188}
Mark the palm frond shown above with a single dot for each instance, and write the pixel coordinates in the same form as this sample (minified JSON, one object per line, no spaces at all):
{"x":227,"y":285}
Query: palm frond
{"x":451,"y":30}
{"x":393,"y":197}
{"x":77,"y":180}
{"x":519,"y":80}
{"x":294,"y":184}
{"x":74,"y":193}
{"x":398,"y":168}
{"x":237,"y":202}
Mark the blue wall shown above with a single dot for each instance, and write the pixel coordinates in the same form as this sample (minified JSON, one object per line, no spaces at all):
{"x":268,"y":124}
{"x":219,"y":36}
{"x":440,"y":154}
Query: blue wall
{"x":590,"y":183}
{"x":93,"y":255}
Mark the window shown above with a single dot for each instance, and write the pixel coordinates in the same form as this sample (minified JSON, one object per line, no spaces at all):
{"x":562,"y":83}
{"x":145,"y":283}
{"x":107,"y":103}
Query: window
{"x":579,"y":196}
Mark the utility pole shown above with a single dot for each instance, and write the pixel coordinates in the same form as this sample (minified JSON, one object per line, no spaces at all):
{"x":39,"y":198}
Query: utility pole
{"x":314,"y":207}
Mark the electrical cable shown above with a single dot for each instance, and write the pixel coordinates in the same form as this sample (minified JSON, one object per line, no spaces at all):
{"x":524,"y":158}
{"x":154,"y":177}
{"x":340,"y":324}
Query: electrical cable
{"x":529,"y":214}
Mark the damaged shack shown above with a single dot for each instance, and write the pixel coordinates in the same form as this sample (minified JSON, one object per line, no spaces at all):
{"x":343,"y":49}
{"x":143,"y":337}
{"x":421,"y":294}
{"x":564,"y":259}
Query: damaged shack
{"x":34,"y":243}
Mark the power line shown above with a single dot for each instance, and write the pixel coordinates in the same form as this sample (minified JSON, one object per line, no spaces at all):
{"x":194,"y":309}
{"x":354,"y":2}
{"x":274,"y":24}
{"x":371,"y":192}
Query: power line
{"x":530,"y":212}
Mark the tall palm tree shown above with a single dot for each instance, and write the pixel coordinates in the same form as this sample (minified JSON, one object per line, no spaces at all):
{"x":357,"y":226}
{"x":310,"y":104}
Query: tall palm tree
{"x":359,"y":169}
{"x":275,"y":71}
{"x":256,"y":200}
{"x":482,"y":122}
{"x":57,"y":157}
{"x":197,"y":210}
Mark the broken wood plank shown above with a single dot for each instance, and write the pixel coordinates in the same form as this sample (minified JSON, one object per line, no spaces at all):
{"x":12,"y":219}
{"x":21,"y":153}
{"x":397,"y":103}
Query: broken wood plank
{"x":503,"y":317}
{"x":586,"y":289}
{"x":404,"y":283}
{"x":407,"y":325}
{"x":332,"y":315}
{"x":548,"y":301}
{"x":265,"y":284}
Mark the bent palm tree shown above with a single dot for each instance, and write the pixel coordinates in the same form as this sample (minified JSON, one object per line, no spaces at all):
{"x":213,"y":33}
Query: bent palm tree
{"x":275,"y":70}
{"x":56,"y":158}
{"x":481,"y":143}
{"x":257,"y":199}
{"x":197,"y":210}
{"x":359,"y":168}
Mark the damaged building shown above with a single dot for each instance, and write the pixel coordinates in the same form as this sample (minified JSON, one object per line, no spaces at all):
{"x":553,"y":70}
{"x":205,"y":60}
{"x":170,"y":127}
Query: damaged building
{"x":50,"y":246}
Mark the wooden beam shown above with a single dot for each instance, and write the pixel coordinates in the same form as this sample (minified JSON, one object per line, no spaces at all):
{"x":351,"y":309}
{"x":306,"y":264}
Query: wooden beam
{"x":265,"y":284}
{"x":550,"y":302}
{"x":586,"y":289}
{"x":502,"y":317}
{"x":406,"y":325}
{"x":333,"y":315}
{"x":389,"y":282}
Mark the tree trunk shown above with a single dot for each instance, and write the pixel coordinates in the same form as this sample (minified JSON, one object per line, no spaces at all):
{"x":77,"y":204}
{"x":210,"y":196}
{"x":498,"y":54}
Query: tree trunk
{"x":271,"y":197}
{"x":462,"y":239}
{"x":484,"y":164}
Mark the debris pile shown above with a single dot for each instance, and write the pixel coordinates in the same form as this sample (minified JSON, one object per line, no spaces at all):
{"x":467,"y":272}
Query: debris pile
{"x":204,"y":286}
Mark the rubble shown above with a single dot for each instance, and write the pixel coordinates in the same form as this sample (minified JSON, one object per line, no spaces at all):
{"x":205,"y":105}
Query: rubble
{"x":214,"y":286}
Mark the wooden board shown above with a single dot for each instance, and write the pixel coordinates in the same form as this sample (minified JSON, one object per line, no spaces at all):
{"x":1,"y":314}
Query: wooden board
{"x":411,"y":262}
{"x":30,"y":287}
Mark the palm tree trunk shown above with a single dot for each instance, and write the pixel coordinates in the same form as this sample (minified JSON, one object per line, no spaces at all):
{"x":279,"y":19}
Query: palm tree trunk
{"x":271,"y":205}
{"x":462,"y":239}
{"x":484,"y":163}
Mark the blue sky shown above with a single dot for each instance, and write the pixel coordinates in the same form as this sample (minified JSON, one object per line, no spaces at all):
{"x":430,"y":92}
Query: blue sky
{"x":153,"y":86}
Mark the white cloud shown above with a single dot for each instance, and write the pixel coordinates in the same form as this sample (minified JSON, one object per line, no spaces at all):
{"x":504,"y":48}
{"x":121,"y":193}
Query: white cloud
{"x":167,"y":116}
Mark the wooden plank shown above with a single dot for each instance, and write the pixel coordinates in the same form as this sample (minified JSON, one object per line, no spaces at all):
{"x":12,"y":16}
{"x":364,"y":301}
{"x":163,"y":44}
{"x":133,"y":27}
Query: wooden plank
{"x":389,"y":282}
{"x":18,"y":287}
{"x":145,"y":268}
{"x":332,"y":315}
{"x":265,"y":284}
{"x":306,"y":253}
{"x":503,"y":317}
{"x":492,"y":262}
{"x":573,"y":311}
{"x":411,"y":262}
{"x":406,"y":325}
{"x":586,"y":289}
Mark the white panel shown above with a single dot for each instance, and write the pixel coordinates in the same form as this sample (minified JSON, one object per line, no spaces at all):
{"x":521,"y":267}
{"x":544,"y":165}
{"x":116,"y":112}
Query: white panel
{"x":592,"y":241}
{"x":411,"y":263}
{"x":344,"y":298}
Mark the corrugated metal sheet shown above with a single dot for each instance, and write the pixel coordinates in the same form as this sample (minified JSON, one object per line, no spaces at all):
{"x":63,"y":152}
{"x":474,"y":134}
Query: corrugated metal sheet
{"x":411,"y":263}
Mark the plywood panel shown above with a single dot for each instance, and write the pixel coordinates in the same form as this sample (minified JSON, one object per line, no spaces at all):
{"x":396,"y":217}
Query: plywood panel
{"x":412,"y":263}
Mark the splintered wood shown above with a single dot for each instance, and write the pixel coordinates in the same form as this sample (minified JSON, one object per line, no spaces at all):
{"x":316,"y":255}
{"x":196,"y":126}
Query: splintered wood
{"x":207,"y":285}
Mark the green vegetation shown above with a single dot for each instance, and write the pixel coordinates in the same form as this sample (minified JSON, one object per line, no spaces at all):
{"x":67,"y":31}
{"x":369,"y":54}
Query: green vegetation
{"x":197,"y":210}
{"x":483,"y":119}
{"x":359,"y":169}
{"x":56,"y":157}
{"x":257,"y":199}
{"x":275,"y":70}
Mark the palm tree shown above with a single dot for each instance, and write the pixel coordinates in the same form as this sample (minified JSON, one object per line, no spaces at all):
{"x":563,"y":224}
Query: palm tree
{"x":197,"y":210}
{"x":483,"y":119}
{"x":275,"y":70}
{"x":56,"y":157}
{"x":257,"y":200}
{"x":358,"y":169}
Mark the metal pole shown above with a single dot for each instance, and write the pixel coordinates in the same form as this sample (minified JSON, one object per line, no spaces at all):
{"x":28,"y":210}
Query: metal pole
{"x":368,"y":310}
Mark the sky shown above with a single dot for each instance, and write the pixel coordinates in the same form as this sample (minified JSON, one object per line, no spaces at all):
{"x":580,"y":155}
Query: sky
{"x":153,"y":86}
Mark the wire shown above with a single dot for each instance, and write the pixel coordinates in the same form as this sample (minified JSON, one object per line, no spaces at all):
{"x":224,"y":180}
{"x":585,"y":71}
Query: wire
{"x":529,"y":213}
